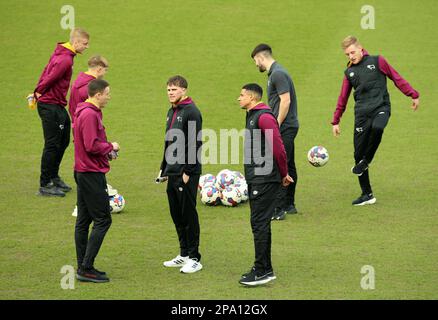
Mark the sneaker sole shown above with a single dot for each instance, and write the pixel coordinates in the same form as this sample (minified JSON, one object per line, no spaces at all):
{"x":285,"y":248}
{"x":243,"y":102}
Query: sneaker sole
{"x":196,"y":270}
{"x":49,"y":195}
{"x":84,"y":279}
{"x":371,"y":201}
{"x":256,"y":283}
{"x":175,"y":265}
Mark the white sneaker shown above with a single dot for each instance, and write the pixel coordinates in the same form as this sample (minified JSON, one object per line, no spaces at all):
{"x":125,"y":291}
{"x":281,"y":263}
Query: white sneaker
{"x":191,"y":266}
{"x":75,"y":212}
{"x":178,"y":261}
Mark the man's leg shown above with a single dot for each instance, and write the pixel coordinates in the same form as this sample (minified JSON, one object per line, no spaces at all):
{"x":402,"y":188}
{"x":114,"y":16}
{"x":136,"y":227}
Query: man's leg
{"x":190,"y":217}
{"x":292,"y":170}
{"x":262,"y":200}
{"x":83,"y":221}
{"x":49,"y":121}
{"x":64,"y":125}
{"x":361,"y":141}
{"x":174,"y":195}
{"x":376,"y":132}
{"x":96,"y":199}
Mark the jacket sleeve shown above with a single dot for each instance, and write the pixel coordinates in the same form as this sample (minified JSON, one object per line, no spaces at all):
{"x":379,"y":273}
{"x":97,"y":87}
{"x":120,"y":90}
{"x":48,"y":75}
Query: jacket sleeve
{"x":342,"y":101}
{"x":92,"y":143}
{"x":56,"y":72}
{"x":268,"y":122}
{"x":192,"y":142}
{"x":398,"y":80}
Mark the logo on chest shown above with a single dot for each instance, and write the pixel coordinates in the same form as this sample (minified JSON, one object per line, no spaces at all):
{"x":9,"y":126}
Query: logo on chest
{"x":371,"y":66}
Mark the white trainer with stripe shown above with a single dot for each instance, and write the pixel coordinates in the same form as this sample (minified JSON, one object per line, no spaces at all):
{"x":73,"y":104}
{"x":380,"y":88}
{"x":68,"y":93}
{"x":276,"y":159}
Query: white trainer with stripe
{"x":176,"y":262}
{"x":191,"y":266}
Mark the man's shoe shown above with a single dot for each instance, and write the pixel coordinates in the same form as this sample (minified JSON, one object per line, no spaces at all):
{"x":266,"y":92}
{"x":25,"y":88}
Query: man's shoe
{"x":94,"y":269}
{"x":291,"y":210}
{"x":254,"y":278}
{"x":178,"y":261}
{"x":91,"y":275}
{"x":61,"y":184}
{"x":50,"y":190}
{"x":272,"y":275}
{"x":360,"y":167}
{"x":279,"y":214}
{"x":364,"y":199}
{"x":191,"y":266}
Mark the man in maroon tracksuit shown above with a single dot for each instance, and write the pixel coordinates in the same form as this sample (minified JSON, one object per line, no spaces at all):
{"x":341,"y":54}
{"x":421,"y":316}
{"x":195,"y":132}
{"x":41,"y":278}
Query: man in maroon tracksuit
{"x":265,"y":168}
{"x":97,"y":68}
{"x":51,"y":93}
{"x":92,"y":153}
{"x":367,"y":75}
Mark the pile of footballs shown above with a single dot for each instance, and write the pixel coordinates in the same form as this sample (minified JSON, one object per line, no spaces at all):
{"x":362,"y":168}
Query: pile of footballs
{"x":228,"y":188}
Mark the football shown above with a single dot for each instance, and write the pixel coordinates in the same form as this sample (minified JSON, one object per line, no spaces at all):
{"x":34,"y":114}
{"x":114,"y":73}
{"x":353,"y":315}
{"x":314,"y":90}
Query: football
{"x":318,"y":156}
{"x":231,"y":196}
{"x":117,"y":203}
{"x":210,"y":195}
{"x":224,"y":179}
{"x":206,"y":180}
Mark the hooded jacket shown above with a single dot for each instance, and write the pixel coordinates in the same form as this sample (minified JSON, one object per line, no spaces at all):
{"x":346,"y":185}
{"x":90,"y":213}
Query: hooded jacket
{"x":78,"y":93}
{"x":55,"y":79}
{"x":91,"y":145}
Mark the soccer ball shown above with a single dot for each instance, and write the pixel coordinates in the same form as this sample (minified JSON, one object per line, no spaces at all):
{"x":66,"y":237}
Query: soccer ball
{"x":238,"y":175}
{"x":318,"y":156}
{"x":224,"y":179}
{"x":206,"y":180}
{"x":117,"y":203}
{"x":231,"y":196}
{"x":243,"y":190}
{"x":210,"y":195}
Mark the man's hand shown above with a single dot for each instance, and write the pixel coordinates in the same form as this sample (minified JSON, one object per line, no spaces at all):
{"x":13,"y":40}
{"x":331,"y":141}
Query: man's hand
{"x":116,"y":146}
{"x":336,"y":130}
{"x":415,"y":104}
{"x":185,"y":178}
{"x":287,"y":181}
{"x":37,"y":95}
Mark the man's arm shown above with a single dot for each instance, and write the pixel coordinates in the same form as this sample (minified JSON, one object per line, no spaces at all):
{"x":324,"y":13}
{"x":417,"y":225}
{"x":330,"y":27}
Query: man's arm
{"x":281,"y":83}
{"x":92,"y":143}
{"x":267,"y":122}
{"x":194,"y":127}
{"x":57,"y":71}
{"x":399,"y":82}
{"x":341,"y":106}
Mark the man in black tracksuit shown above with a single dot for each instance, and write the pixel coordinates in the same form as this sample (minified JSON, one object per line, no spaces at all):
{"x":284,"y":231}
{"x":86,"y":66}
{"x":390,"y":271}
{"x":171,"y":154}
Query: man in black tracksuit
{"x":182,"y":167}
{"x":283,"y":102}
{"x":265,"y":168}
{"x":367,"y":75}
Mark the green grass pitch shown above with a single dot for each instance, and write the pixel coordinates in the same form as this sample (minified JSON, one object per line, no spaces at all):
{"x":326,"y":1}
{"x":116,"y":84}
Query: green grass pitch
{"x":317,"y":254}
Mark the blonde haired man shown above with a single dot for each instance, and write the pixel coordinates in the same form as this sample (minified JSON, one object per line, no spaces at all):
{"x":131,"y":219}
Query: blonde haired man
{"x":97,"y":68}
{"x":367,"y":75}
{"x":51,"y":92}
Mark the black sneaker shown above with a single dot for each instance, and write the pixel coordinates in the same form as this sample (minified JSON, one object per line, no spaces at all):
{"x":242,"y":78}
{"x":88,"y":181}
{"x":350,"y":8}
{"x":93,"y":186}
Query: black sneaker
{"x":254,"y":278}
{"x":364,"y":199}
{"x":360,"y":167}
{"x":93,"y":268}
{"x":271,"y":275}
{"x":279,"y":214}
{"x":50,"y":190}
{"x":61,"y":184}
{"x":291,"y":210}
{"x":91,"y":275}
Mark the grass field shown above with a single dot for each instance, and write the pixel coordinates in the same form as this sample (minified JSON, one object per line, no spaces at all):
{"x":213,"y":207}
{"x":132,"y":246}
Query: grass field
{"x":317,"y":254}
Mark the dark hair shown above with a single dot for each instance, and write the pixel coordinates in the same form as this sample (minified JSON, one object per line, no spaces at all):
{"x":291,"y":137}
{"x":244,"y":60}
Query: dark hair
{"x":260,"y":48}
{"x":254,"y":87}
{"x":178,"y":81}
{"x":97,"y":86}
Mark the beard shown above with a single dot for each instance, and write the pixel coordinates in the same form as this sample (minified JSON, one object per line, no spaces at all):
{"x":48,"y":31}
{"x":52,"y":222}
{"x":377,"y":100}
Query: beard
{"x":262,"y":69}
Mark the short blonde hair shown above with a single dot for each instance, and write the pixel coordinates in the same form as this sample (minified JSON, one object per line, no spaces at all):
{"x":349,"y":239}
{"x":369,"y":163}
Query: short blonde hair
{"x":348,"y":41}
{"x":78,"y":33}
{"x":97,"y":61}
